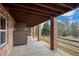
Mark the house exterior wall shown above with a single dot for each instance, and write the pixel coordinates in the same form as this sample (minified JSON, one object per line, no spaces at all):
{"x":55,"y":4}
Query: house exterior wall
{"x":5,"y":50}
{"x":20,"y":34}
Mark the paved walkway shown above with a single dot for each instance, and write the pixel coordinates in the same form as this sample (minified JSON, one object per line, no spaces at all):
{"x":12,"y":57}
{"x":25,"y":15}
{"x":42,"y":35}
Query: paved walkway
{"x":35,"y":48}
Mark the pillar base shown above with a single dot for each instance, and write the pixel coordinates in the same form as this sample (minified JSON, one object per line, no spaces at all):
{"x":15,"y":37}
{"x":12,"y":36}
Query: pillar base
{"x":52,"y":48}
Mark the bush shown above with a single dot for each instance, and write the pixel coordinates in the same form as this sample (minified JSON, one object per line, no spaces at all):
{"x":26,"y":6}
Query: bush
{"x":46,"y":29}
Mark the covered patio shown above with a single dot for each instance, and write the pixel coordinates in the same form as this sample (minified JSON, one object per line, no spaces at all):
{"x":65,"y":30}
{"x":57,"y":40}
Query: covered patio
{"x":30,"y":15}
{"x":34,"y":48}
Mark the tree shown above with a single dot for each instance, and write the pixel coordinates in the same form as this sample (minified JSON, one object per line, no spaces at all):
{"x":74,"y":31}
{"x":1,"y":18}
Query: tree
{"x":66,"y":25}
{"x":74,"y":29}
{"x":60,"y":28}
{"x":46,"y":29}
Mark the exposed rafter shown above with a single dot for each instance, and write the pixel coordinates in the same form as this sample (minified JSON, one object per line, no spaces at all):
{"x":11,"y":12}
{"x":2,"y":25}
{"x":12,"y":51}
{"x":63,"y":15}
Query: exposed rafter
{"x":66,"y":5}
{"x":26,"y":11}
{"x":35,"y":13}
{"x":49,"y":7}
{"x":21,"y":13}
{"x":27,"y":7}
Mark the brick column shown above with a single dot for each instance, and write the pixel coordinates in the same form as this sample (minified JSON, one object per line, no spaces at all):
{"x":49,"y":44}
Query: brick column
{"x":53,"y":33}
{"x":20,"y":34}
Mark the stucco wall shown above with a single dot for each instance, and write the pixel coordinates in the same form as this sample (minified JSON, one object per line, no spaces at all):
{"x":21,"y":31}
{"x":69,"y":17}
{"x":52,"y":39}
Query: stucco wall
{"x":5,"y":50}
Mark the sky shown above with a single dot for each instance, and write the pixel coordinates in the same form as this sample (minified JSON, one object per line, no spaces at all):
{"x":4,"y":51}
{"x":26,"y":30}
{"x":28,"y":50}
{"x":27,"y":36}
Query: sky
{"x":73,"y":15}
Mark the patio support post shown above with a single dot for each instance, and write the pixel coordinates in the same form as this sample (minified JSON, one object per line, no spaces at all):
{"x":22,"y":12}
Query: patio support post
{"x":53,"y":33}
{"x":38,"y":33}
{"x":33,"y":32}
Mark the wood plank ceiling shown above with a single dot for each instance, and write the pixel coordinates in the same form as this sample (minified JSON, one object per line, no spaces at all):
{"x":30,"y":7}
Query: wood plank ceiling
{"x":36,"y":13}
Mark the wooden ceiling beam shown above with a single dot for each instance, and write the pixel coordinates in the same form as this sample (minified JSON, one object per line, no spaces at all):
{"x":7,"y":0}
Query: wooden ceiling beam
{"x":39,"y":22}
{"x":26,"y":11}
{"x":21,"y":13}
{"x":50,"y":7}
{"x":36,"y":9}
{"x":66,"y":6}
{"x":27,"y":16}
{"x":35,"y":21}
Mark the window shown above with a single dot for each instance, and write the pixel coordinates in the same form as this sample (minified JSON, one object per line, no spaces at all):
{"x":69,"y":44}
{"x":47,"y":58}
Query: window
{"x":3,"y":30}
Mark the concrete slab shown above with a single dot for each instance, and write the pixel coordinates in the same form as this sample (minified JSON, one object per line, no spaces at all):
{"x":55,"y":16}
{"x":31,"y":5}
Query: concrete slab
{"x":36,"y":48}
